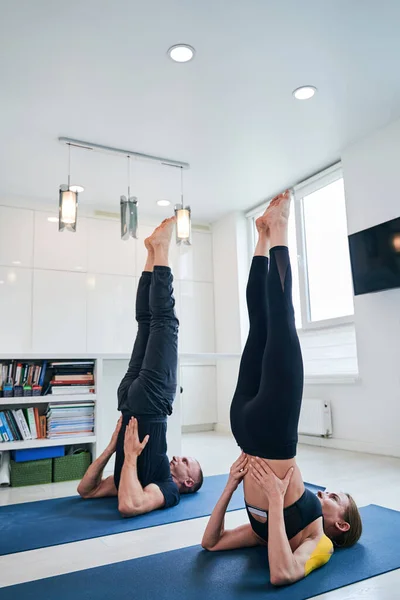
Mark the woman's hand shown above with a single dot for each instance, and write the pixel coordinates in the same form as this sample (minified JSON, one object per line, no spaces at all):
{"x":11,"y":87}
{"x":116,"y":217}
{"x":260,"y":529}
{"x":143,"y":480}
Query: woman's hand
{"x":238,"y":470}
{"x":273,"y":487}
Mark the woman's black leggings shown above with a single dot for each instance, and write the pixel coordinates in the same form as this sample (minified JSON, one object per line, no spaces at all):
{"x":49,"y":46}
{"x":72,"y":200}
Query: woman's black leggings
{"x":266,"y":405}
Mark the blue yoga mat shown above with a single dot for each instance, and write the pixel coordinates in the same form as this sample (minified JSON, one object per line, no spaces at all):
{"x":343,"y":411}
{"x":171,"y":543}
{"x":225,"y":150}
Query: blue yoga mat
{"x":194,"y":574}
{"x":33,"y":525}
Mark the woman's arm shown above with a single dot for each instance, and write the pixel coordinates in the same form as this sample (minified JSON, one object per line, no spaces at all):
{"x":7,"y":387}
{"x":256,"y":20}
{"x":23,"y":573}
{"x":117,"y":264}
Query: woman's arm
{"x":285,"y":566}
{"x":215,"y":536}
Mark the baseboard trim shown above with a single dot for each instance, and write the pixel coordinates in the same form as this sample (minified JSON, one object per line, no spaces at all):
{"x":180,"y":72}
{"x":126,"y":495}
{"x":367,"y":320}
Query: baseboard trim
{"x":198,"y":428}
{"x":351,"y":445}
{"x":223,"y":428}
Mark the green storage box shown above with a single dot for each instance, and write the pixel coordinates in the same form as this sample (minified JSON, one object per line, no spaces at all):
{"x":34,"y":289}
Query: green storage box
{"x":32,"y":472}
{"x":73,"y":466}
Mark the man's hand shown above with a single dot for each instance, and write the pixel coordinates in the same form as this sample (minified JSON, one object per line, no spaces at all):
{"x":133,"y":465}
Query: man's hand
{"x":112,"y":446}
{"x":273,"y":487}
{"x":132,"y":445}
{"x":238,"y":470}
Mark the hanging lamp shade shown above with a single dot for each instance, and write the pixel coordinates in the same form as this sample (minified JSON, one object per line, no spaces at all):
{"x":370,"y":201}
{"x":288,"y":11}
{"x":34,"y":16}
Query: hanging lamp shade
{"x":129,"y":217}
{"x":183,"y":220}
{"x":68,"y":202}
{"x":68,"y":209}
{"x":183,"y":225}
{"x":129,"y":211}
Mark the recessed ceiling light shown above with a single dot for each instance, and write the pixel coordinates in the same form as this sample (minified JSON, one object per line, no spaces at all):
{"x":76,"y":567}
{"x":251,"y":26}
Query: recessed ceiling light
{"x":16,"y":262}
{"x":77,"y":188}
{"x":1,"y":282}
{"x":305,"y":92}
{"x":181,"y":53}
{"x":53,"y":219}
{"x":163,"y":202}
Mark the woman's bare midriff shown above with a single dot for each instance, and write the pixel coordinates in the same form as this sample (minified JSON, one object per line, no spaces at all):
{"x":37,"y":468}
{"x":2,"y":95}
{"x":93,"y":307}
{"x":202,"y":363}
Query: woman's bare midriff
{"x":254,"y":495}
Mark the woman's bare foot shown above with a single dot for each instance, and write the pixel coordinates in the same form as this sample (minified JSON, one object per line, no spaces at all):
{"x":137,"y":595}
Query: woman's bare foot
{"x":276,"y":219}
{"x":150,"y":255}
{"x":263,"y":245}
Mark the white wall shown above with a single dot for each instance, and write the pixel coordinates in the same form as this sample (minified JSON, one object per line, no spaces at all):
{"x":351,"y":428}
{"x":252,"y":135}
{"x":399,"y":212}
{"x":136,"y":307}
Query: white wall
{"x":75,"y":292}
{"x":366,"y":415}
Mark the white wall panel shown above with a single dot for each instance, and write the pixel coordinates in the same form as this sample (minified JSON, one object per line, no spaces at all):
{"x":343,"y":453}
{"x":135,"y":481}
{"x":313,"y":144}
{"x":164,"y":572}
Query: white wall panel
{"x":15,"y":309}
{"x":61,"y":251}
{"x":195,"y":262}
{"x":111,"y":324}
{"x":59,"y":312}
{"x":16,"y":236}
{"x":197,"y":317}
{"x":107,"y":253}
{"x":199,"y":397}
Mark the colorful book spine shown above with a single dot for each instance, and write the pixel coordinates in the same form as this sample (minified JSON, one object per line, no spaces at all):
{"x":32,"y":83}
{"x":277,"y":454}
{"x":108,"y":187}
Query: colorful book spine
{"x":13,"y":425}
{"x":3,"y":431}
{"x":23,"y":425}
{"x":7,"y":426}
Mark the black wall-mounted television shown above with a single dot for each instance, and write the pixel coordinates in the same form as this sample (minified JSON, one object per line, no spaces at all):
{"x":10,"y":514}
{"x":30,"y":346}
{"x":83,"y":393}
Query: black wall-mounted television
{"x":375,"y":258}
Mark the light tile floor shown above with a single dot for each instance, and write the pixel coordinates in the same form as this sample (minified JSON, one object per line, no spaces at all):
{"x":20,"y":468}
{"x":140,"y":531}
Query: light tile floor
{"x":371,"y":479}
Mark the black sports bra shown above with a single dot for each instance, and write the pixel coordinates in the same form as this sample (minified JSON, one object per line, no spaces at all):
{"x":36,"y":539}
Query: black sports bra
{"x":297,"y":516}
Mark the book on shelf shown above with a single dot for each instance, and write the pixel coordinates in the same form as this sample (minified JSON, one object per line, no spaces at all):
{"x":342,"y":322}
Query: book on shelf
{"x":70,"y":390}
{"x":39,"y":377}
{"x":19,"y":425}
{"x":70,"y":419}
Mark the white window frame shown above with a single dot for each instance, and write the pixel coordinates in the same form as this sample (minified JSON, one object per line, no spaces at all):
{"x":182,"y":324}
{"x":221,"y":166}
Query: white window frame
{"x":301,"y":190}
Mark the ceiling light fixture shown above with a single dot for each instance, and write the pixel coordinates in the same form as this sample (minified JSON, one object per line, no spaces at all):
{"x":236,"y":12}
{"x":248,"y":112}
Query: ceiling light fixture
{"x":163,"y":202}
{"x":129,"y":212}
{"x":181,"y":53}
{"x":305,"y":92}
{"x":68,"y":203}
{"x":183,"y":220}
{"x":77,"y":188}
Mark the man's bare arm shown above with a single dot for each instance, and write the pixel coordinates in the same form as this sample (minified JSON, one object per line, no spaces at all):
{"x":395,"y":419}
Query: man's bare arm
{"x":92,"y":484}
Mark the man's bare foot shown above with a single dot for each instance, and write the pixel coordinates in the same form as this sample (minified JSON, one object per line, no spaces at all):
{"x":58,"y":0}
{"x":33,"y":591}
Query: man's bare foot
{"x":161,"y":236}
{"x":147,"y":243}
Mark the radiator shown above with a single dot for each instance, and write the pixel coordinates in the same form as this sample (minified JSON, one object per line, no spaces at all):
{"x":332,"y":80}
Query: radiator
{"x":315,"y":418}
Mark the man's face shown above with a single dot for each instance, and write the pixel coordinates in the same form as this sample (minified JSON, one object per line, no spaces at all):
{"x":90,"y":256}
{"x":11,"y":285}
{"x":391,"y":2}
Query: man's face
{"x":184,"y":469}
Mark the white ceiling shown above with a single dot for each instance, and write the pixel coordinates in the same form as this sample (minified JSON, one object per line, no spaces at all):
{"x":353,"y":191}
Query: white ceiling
{"x":97,"y":70}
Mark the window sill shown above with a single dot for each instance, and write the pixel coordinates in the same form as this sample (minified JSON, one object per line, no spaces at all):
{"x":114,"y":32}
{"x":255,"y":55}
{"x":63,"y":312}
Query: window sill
{"x":332,"y":379}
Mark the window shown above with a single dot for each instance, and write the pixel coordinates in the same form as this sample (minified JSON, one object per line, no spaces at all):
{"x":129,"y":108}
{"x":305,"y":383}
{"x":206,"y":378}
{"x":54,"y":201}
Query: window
{"x":327,"y":253}
{"x":318,"y":247}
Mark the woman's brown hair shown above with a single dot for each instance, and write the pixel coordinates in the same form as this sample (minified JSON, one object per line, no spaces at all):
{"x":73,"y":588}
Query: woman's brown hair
{"x":353,"y":518}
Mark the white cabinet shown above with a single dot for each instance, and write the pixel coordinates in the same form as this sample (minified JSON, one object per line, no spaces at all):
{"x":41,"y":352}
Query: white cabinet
{"x":59,"y":312}
{"x":61,"y":251}
{"x":195,"y":263}
{"x":107,"y":253}
{"x":16,"y":236}
{"x":197,"y":317}
{"x":141,"y":253}
{"x":199,"y":397}
{"x":15,"y":309}
{"x":111,"y":324}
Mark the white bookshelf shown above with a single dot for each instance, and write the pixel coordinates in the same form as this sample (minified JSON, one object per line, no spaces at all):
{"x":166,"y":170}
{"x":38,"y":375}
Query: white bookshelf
{"x":28,"y":400}
{"x":23,"y":444}
{"x":25,"y":401}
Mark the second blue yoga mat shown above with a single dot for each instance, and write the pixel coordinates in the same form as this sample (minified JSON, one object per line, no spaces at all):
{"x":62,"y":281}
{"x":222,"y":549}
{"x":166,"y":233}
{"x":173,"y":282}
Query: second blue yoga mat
{"x":194,"y":574}
{"x":33,"y":525}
